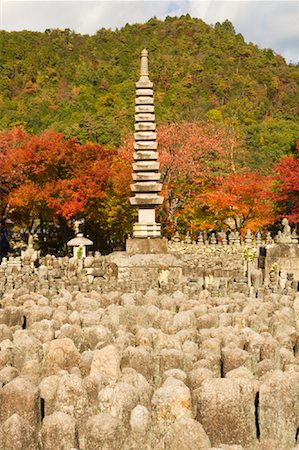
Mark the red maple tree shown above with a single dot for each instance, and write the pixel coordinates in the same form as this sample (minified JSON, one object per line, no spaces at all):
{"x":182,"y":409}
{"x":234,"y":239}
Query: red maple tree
{"x":244,"y":197}
{"x":50,"y":174}
{"x":191,"y":155}
{"x":286,"y":193}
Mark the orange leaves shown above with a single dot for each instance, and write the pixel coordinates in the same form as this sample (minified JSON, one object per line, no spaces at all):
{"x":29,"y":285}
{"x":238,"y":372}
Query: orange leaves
{"x":192,"y":155}
{"x":286,"y":173}
{"x":194,"y":150}
{"x":200,"y":167}
{"x":25,"y":196}
{"x":121,"y":169}
{"x":54,"y":173}
{"x":245,"y":195}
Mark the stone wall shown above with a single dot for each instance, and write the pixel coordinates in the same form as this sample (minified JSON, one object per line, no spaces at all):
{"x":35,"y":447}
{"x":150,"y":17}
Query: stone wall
{"x":226,"y":261}
{"x":283,"y":258}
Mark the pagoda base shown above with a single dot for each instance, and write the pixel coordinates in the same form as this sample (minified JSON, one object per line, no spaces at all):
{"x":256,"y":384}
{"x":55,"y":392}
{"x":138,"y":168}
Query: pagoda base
{"x":146,"y":246}
{"x":146,"y":230}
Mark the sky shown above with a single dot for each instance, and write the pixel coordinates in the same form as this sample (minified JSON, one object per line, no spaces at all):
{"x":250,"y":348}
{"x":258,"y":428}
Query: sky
{"x":269,"y":24}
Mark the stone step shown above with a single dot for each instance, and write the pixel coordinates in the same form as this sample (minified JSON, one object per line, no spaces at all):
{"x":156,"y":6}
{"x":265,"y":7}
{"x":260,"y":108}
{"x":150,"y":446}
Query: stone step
{"x":145,"y":155}
{"x":144,"y":108}
{"x":146,"y":200}
{"x":144,"y":84}
{"x":145,"y":145}
{"x":146,"y":176}
{"x":144,"y":100}
{"x":145,"y":136}
{"x":147,"y":92}
{"x":145,"y":117}
{"x":145,"y":166}
{"x":145,"y":126}
{"x":147,"y":186}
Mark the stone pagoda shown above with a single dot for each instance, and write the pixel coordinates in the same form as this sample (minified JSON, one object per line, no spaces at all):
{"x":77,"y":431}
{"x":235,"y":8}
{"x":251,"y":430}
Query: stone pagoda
{"x":146,"y":176}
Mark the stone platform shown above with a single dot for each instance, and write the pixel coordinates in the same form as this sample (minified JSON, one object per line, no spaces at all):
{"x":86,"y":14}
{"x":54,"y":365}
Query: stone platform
{"x":146,"y":246}
{"x":145,"y":268}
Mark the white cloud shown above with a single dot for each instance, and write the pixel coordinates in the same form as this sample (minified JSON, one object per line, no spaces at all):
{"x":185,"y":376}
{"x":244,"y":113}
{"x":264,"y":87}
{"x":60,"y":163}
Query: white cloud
{"x":269,"y":24}
{"x":117,"y":13}
{"x":82,"y":16}
{"x":37,"y":16}
{"x":272,"y":24}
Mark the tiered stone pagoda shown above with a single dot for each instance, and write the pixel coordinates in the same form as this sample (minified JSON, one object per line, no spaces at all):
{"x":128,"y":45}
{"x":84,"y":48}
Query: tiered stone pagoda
{"x":146,"y":174}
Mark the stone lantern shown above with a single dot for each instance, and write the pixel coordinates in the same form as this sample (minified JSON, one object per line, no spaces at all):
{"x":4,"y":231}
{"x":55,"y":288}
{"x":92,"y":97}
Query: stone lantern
{"x":79,"y":244}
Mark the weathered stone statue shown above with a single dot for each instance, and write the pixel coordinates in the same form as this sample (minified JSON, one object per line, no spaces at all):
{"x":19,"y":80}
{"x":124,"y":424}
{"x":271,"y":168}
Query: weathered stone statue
{"x":286,"y":235}
{"x":30,"y":254}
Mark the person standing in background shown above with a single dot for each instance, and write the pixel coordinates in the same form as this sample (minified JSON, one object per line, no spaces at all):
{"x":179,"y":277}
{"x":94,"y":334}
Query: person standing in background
{"x":4,"y":239}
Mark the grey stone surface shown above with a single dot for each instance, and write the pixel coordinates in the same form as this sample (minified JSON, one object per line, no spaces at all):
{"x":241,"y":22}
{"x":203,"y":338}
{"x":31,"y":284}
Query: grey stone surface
{"x":58,"y":432}
{"x":227,"y":411}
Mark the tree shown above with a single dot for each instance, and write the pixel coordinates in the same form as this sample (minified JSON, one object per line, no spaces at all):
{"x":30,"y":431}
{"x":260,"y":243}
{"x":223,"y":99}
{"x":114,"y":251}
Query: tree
{"x":268,"y":142}
{"x":11,"y":172}
{"x":115,"y":215}
{"x":83,"y":86}
{"x":60,"y":175}
{"x":286,"y":192}
{"x":192,"y":155}
{"x":244,"y":197}
{"x":52,"y":179}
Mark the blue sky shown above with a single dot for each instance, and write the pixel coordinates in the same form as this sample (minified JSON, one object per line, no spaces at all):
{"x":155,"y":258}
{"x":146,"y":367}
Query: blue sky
{"x":269,"y":24}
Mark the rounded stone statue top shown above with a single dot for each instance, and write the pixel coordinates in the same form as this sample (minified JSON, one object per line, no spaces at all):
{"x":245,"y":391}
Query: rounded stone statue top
{"x":286,"y":226}
{"x":30,"y":241}
{"x":285,"y":236}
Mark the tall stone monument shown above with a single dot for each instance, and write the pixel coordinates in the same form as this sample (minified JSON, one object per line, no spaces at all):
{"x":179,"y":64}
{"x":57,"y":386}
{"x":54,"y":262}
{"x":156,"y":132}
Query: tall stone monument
{"x":146,"y":176}
{"x":146,"y":257}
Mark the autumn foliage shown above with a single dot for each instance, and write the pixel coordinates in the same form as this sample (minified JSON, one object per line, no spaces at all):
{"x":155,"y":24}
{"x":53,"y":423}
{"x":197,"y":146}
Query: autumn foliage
{"x":192,"y":155}
{"x":243,"y":197}
{"x":287,"y":186}
{"x":48,"y":174}
{"x":206,"y":184}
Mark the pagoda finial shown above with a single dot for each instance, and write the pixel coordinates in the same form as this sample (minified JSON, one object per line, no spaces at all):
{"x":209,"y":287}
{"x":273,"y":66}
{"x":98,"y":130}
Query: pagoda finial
{"x":144,"y":66}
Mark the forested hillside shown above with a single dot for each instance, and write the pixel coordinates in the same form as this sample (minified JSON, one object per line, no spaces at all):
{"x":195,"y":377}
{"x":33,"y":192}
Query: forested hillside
{"x":83,"y":86}
{"x":228,"y":131}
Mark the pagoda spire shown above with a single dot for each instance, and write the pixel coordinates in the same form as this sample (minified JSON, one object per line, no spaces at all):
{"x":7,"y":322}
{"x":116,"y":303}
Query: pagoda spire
{"x":144,"y":66}
{"x":146,"y":174}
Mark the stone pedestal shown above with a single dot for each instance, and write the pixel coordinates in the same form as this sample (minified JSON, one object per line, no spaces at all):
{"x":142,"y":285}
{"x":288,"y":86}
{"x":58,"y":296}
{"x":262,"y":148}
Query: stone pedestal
{"x":146,"y":246}
{"x":147,"y":270}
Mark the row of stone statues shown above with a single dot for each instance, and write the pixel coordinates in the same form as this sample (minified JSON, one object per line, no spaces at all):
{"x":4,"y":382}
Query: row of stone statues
{"x":286,"y":236}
